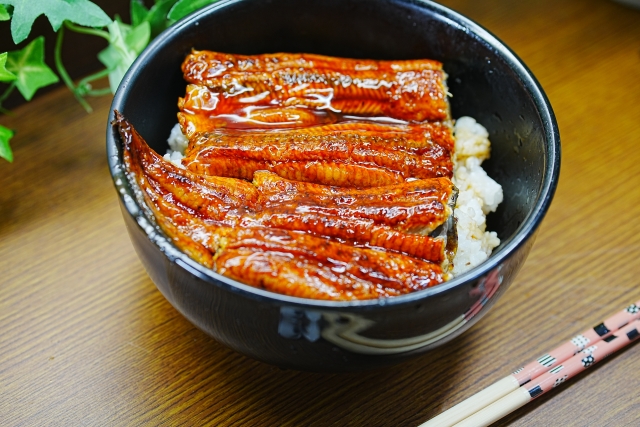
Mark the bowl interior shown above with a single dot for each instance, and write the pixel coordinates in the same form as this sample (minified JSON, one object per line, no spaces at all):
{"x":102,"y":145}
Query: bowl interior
{"x":486,"y":80}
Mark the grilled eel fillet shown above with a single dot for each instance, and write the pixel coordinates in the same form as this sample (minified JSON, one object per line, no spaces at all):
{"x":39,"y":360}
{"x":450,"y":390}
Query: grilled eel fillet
{"x":216,"y":222}
{"x":415,"y":218}
{"x":200,"y":120}
{"x":341,"y":154}
{"x":406,"y":90}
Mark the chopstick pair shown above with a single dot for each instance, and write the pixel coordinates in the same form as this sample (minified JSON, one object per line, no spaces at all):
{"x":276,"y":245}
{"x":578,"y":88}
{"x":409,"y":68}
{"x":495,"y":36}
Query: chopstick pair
{"x":547,"y":372}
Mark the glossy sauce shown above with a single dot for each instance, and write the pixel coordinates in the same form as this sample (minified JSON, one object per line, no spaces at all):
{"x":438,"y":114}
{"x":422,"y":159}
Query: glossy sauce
{"x":406,"y":90}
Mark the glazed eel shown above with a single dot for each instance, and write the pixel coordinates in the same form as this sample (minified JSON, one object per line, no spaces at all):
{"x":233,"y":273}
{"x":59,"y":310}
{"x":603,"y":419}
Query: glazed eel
{"x":300,"y":239}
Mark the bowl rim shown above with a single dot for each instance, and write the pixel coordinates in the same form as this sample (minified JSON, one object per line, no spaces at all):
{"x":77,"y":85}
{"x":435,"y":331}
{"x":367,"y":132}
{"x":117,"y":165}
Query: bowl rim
{"x":525,"y":231}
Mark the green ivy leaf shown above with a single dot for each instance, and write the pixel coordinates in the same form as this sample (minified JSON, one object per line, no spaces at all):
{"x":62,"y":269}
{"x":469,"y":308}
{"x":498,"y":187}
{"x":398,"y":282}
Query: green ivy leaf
{"x":156,"y":16}
{"x":184,"y":7}
{"x":4,"y":14}
{"x":29,"y":67}
{"x":125,"y":44}
{"x":5,"y":136}
{"x":81,"y":12}
{"x":5,"y":75}
{"x":138,"y":12}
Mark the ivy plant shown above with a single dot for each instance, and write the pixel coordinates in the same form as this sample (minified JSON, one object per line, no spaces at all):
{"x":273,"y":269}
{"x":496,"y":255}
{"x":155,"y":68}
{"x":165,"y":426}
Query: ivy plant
{"x":25,"y":69}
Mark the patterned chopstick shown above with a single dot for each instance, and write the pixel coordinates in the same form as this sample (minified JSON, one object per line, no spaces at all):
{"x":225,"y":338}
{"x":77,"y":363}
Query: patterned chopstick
{"x":535,"y":368}
{"x":577,"y":343}
{"x":554,"y":377}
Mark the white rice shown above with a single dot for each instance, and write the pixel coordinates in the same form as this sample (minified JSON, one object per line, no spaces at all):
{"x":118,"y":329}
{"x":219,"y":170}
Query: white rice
{"x":177,"y":145}
{"x":479,"y":194}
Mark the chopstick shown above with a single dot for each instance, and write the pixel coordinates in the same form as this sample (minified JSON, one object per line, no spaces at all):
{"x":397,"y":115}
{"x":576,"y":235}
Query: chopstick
{"x":554,"y":377}
{"x":533,"y":369}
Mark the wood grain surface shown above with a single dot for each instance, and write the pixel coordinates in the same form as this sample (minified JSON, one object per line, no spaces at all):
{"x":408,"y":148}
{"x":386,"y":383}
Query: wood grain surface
{"x":86,"y":339}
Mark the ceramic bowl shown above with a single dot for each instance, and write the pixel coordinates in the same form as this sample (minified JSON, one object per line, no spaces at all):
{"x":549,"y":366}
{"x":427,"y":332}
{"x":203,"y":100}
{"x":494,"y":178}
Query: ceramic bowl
{"x":488,"y":82}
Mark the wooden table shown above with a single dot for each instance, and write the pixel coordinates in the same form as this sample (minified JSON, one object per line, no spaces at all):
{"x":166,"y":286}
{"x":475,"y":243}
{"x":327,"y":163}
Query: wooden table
{"x":86,"y":339}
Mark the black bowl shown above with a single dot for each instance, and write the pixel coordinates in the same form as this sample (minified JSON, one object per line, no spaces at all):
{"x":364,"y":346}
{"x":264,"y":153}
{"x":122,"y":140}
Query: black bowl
{"x":488,"y":82}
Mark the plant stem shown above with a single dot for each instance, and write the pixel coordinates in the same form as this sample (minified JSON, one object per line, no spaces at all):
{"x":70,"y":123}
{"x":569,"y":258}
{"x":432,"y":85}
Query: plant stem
{"x":85,"y":30}
{"x":100,"y":74}
{"x":63,"y":72}
{"x":99,"y":92}
{"x":85,"y":84}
